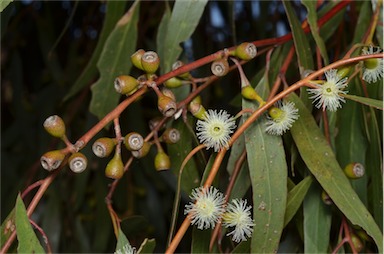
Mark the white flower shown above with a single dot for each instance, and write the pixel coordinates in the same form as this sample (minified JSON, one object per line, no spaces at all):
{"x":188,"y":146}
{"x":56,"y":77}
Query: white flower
{"x":127,"y":249}
{"x":373,"y":68}
{"x":206,"y":207}
{"x":215,"y":129}
{"x":281,"y":118}
{"x":327,"y":95}
{"x":238,"y":215}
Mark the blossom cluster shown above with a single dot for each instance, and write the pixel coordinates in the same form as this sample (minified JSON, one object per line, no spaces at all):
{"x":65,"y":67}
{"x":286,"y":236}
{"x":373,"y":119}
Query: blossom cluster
{"x":208,"y":207}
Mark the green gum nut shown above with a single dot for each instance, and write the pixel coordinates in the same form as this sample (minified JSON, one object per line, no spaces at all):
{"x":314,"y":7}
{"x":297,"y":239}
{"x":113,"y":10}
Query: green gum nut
{"x":136,"y":58}
{"x":126,"y":84}
{"x":52,"y":160}
{"x":177,"y":65}
{"x":77,"y":162}
{"x":142,"y":151}
{"x":173,"y":82}
{"x":344,"y":72}
{"x":354,"y":170}
{"x":133,"y":141}
{"x":171,"y":136}
{"x":162,"y":161}
{"x":371,"y":63}
{"x":246,"y":51}
{"x":220,"y":67}
{"x":248,"y":92}
{"x":55,"y":126}
{"x":275,"y":112}
{"x":115,"y":167}
{"x":166,"y":105}
{"x":196,"y":109}
{"x":150,"y":62}
{"x":103,"y":147}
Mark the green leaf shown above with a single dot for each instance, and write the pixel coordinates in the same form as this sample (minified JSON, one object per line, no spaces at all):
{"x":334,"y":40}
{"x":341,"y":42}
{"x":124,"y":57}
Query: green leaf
{"x":183,"y":21}
{"x":268,"y":172}
{"x":295,"y":198}
{"x":190,"y":178}
{"x":147,"y":246}
{"x":366,"y":101}
{"x":363,"y":21}
{"x":114,"y":10}
{"x":302,"y":47}
{"x":317,"y":222}
{"x":28,"y":242}
{"x":7,"y":227}
{"x":200,"y":240}
{"x":312,"y":21}
{"x":113,"y":62}
{"x":123,"y":245}
{"x":321,"y":161}
{"x":4,"y":4}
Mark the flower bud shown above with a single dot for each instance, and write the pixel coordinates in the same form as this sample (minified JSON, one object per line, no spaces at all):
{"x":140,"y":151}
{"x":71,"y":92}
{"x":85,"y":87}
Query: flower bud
{"x":354,"y":170}
{"x":136,"y":58}
{"x":326,"y":198}
{"x":103,"y":147}
{"x":77,"y":162}
{"x":246,"y":51}
{"x":169,"y":93}
{"x":173,"y":82}
{"x":150,"y":62}
{"x":126,"y":84}
{"x":357,"y":243}
{"x":177,"y":65}
{"x":55,"y":126}
{"x":220,"y":67}
{"x":162,"y":161}
{"x":133,"y":141}
{"x":52,"y":160}
{"x":115,"y":167}
{"x":167,"y":106}
{"x":142,"y":151}
{"x":171,"y":136}
{"x":344,"y":71}
{"x":249,"y":93}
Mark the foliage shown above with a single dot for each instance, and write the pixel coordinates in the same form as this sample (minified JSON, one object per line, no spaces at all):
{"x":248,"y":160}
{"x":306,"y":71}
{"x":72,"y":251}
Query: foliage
{"x":316,"y":188}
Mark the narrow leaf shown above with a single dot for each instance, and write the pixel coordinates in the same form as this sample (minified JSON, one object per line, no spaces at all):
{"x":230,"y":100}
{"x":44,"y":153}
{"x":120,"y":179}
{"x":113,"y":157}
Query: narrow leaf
{"x":312,"y":21}
{"x":268,"y":172}
{"x":28,"y":242}
{"x":123,"y":245}
{"x":114,"y":10}
{"x":184,"y":19}
{"x":147,"y":246}
{"x":4,"y":4}
{"x":113,"y":62}
{"x":295,"y":198}
{"x":366,"y":101}
{"x":321,"y":161}
{"x":317,"y":222}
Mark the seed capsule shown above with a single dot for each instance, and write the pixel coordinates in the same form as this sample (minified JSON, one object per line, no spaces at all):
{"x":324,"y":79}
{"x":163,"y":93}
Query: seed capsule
{"x":354,"y":170}
{"x":55,"y":126}
{"x":126,"y":84}
{"x":220,"y":67}
{"x":177,"y":65}
{"x":246,"y":51}
{"x":103,"y":147}
{"x":115,"y":167}
{"x":77,"y":162}
{"x":166,"y":105}
{"x":150,"y":62}
{"x":357,"y":243}
{"x":52,"y":160}
{"x":133,"y":141}
{"x":136,"y":58}
{"x":196,"y":108}
{"x":171,"y":136}
{"x":143,"y":151}
{"x":162,"y":161}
